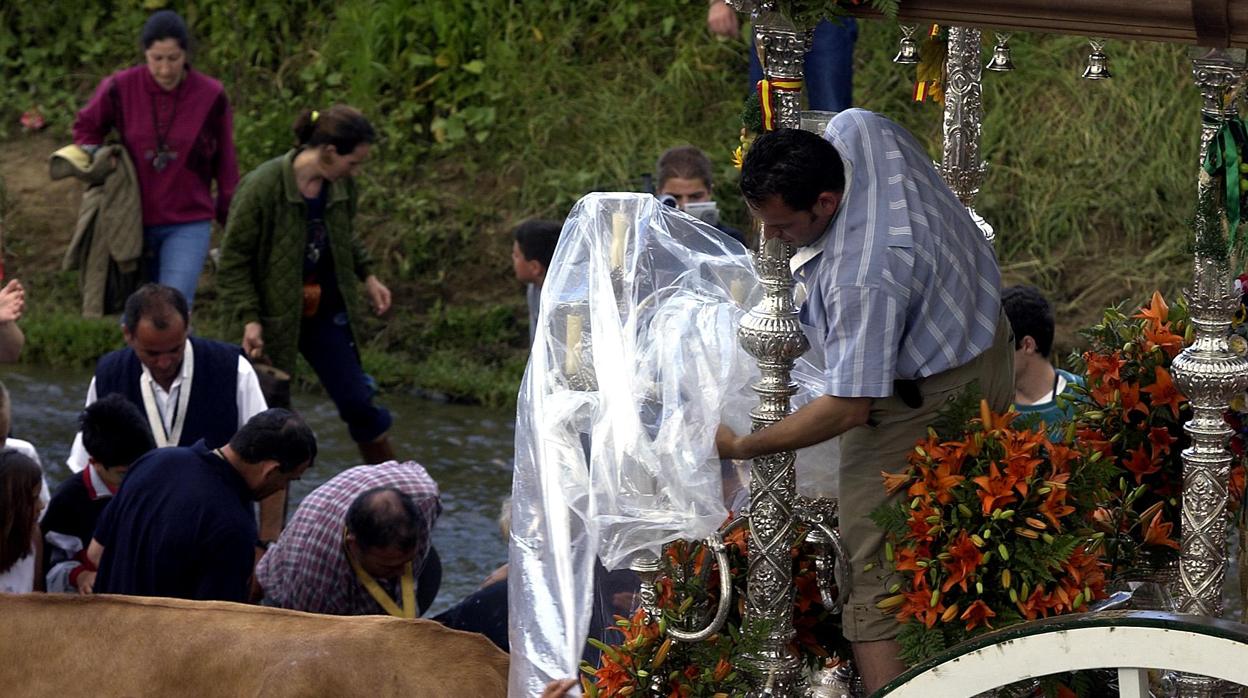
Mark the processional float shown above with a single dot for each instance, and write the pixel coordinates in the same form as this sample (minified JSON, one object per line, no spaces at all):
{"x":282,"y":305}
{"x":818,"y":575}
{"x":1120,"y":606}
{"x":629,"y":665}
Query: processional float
{"x":1207,"y":372}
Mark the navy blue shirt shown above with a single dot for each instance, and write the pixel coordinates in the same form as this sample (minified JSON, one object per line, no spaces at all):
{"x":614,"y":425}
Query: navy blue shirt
{"x":181,"y":526}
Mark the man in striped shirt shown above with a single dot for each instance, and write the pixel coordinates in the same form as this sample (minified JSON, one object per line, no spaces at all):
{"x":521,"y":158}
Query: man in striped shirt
{"x":903,"y":289}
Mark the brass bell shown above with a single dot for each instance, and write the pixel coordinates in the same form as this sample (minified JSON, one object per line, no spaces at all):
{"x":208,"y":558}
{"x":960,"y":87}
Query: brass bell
{"x":1098,"y":63}
{"x":1000,"y":61}
{"x":908,"y":49}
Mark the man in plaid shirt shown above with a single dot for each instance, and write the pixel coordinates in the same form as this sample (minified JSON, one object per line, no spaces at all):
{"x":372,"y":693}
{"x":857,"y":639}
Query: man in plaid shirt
{"x":308,"y":568}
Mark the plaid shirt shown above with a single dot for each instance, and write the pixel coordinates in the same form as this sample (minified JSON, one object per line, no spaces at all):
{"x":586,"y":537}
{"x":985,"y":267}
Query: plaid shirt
{"x":307,"y":568}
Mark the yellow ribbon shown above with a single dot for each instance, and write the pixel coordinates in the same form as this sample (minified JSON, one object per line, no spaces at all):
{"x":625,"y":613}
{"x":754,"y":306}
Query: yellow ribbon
{"x":407,"y":586}
{"x":765,"y":89}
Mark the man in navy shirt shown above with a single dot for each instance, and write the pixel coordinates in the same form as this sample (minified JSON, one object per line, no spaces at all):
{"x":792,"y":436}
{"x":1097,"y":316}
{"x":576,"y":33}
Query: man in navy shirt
{"x":182,"y":525}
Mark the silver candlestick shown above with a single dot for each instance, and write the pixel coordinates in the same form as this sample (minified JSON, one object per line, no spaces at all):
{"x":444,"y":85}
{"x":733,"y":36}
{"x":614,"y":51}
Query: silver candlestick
{"x":961,"y":164}
{"x":1208,"y":373}
{"x":771,"y":333}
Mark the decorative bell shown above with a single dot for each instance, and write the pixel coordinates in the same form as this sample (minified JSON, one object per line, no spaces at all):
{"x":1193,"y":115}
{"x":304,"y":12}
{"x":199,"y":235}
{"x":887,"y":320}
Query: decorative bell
{"x":908,"y":49}
{"x":1000,"y":61}
{"x":1098,"y":62}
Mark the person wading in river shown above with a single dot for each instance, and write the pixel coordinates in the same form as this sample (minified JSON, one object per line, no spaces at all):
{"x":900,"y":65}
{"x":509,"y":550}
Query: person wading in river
{"x":293,"y":268}
{"x":189,"y":388}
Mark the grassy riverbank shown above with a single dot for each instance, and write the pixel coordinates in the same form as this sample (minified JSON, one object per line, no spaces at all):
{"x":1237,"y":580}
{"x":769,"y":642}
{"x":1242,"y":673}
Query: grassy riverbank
{"x":492,"y":112}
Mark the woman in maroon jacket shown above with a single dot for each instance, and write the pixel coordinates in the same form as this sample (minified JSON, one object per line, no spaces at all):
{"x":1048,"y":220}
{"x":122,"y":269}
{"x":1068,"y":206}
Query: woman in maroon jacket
{"x":177,"y":127}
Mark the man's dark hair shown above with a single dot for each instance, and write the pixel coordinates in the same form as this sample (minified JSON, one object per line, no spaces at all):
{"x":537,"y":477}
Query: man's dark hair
{"x":276,"y":434}
{"x":537,"y":240}
{"x":158,"y":304}
{"x":114,"y":431}
{"x":385,"y":517}
{"x":794,"y":164}
{"x":683,"y":162}
{"x":1031,"y":315}
{"x":165,"y":24}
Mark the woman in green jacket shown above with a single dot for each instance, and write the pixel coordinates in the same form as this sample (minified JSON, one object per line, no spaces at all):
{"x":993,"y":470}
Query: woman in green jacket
{"x":291,"y":265}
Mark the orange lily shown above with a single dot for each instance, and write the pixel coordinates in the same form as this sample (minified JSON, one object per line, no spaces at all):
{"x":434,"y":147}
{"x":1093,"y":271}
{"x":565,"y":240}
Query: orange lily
{"x":1161,"y":439}
{"x":1156,"y":311}
{"x":1140,"y":464}
{"x":995,"y":490}
{"x":966,"y":558}
{"x":1158,"y":533}
{"x":1163,"y":392}
{"x":977,"y":614}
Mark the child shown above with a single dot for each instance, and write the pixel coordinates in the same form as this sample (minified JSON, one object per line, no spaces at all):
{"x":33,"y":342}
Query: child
{"x":20,"y":480}
{"x":114,"y":433}
{"x":530,"y":257}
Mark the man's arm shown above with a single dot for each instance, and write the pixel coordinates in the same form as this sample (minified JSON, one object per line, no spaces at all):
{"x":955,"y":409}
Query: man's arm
{"x":819,"y":420}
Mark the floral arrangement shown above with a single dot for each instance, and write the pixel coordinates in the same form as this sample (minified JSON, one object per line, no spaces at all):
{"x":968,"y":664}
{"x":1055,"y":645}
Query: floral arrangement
{"x":991,"y":530}
{"x":645,"y":656}
{"x":1237,"y":415}
{"x":1133,"y":415}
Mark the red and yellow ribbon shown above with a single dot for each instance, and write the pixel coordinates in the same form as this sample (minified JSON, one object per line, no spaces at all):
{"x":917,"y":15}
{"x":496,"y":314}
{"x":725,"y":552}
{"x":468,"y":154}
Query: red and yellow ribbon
{"x":766,"y":97}
{"x":930,"y":72}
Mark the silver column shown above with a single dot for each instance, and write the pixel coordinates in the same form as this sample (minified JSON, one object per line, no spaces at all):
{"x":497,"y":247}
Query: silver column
{"x":1207,"y":373}
{"x":771,"y":333}
{"x":961,"y":164}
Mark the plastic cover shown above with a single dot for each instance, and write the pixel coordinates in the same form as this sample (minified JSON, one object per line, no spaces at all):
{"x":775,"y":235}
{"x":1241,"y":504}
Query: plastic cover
{"x":634,"y":364}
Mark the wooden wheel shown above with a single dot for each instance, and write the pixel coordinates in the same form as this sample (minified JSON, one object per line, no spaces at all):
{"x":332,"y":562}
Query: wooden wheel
{"x":1130,"y":641}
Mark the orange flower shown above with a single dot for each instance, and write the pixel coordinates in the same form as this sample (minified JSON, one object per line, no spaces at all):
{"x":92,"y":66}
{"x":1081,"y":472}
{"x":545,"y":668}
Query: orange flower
{"x":1161,"y":440}
{"x":1158,"y":533}
{"x":938,"y":482}
{"x":1060,"y":456}
{"x":1155,"y":312}
{"x":919,"y":605}
{"x":1161,"y":336}
{"x":1163,"y":392}
{"x":1102,"y":367}
{"x":977,"y":614}
{"x":722,"y":670}
{"x":895,"y":481}
{"x":995,"y":490}
{"x":965,"y":559}
{"x":1036,"y":605}
{"x":1140,"y":464}
{"x":1054,"y":507}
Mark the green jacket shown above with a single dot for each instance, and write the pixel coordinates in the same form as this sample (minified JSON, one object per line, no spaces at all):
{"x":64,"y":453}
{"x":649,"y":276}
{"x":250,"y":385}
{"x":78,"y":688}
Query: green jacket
{"x":260,"y":278}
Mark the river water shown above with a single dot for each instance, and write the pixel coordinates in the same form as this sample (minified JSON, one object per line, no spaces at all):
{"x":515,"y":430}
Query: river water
{"x":467,"y":449}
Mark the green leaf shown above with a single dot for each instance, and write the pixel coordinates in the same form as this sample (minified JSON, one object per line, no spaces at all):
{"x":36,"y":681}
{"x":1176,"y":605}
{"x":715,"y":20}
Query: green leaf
{"x":476,"y":67}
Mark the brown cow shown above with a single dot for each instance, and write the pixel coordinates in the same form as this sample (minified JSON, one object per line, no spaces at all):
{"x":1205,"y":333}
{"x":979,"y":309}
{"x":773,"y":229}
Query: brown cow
{"x":65,"y":646}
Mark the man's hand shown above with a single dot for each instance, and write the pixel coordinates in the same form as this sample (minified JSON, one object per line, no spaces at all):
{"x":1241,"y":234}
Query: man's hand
{"x":728,"y":444}
{"x":497,"y":575}
{"x":722,"y":20}
{"x":378,"y":295}
{"x":253,"y":340}
{"x":86,"y":582}
{"x":12,"y":301}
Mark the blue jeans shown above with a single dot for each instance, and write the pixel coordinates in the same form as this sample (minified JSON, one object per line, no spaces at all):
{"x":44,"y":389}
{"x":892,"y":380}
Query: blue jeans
{"x":325,"y":341}
{"x":175,"y":254}
{"x":829,"y":67}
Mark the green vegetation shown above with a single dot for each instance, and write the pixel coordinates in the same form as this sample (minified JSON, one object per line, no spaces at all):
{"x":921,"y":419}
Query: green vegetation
{"x":494,"y":111}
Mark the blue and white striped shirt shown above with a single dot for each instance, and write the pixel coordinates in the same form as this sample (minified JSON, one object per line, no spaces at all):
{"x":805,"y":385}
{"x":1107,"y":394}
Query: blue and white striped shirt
{"x":903,"y":284}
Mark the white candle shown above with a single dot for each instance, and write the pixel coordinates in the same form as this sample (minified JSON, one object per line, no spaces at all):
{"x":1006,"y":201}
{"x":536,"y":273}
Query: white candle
{"x":572,"y":349}
{"x":619,"y":233}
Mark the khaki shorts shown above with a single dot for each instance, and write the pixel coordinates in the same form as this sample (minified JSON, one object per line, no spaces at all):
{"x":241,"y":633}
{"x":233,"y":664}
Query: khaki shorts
{"x":868,"y":450}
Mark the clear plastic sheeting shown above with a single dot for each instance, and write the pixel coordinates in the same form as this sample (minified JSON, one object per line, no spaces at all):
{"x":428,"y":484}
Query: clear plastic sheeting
{"x":635,"y":362}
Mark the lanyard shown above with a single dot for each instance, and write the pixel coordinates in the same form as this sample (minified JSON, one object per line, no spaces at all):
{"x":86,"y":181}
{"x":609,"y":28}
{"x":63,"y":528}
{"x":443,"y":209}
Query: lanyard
{"x":407,"y":586}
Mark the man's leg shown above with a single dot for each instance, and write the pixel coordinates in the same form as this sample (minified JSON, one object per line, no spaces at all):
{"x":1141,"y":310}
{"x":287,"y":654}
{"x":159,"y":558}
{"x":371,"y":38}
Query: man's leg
{"x":878,"y":663}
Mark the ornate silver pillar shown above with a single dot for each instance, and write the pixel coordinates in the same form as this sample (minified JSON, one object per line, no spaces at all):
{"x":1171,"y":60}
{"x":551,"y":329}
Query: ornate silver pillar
{"x":771,"y":333}
{"x":961,"y":164}
{"x":1207,"y":372}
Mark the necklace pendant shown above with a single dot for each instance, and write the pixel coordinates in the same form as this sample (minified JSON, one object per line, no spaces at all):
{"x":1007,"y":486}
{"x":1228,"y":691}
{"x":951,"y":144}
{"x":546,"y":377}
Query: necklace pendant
{"x":161,"y":158}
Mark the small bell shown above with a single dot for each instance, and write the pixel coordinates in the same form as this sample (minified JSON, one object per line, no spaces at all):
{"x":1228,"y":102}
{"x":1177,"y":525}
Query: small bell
{"x":1000,"y":61}
{"x":1098,"y":62}
{"x":908,"y":49}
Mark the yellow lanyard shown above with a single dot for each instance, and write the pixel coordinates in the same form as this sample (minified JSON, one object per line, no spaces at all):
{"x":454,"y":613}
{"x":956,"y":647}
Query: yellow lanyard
{"x":407,"y":587}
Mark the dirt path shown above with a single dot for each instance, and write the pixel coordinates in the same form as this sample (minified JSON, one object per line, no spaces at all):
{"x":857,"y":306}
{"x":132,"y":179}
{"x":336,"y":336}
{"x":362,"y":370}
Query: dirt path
{"x":38,"y":214}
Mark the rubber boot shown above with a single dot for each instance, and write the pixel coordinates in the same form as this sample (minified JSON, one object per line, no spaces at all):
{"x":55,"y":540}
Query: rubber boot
{"x":376,"y":451}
